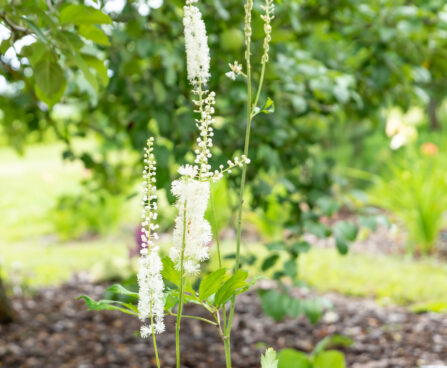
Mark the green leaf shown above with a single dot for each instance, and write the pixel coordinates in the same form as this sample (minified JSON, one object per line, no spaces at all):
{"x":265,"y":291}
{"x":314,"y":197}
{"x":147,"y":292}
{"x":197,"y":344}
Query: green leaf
{"x":169,"y":272}
{"x":342,"y":245}
{"x":269,"y":359}
{"x":312,"y":309}
{"x":277,"y":245}
{"x":230,"y":287}
{"x":269,"y":262}
{"x":291,"y":358}
{"x":93,"y":33}
{"x":119,"y":289}
{"x":35,"y":29}
{"x":211,"y":283}
{"x":295,"y":307}
{"x":81,"y":14}
{"x":99,"y":67}
{"x":318,"y":229}
{"x":50,"y":101}
{"x":328,"y":205}
{"x":291,"y":268}
{"x":331,"y":341}
{"x":346,"y":229}
{"x":330,"y":359}
{"x":300,"y":247}
{"x":49,"y":76}
{"x":109,"y":305}
{"x":34,"y":52}
{"x":275,"y":304}
{"x":171,"y":299}
{"x":269,"y":106}
{"x":345,"y":232}
{"x":82,"y":64}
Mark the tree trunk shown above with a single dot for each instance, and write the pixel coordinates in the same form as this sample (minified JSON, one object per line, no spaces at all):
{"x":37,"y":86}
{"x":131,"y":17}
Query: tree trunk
{"x":433,"y":115}
{"x":6,"y":312}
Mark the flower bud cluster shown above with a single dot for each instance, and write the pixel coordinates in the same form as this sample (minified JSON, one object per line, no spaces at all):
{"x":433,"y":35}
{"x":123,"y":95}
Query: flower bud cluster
{"x":237,"y":162}
{"x":269,"y":9}
{"x":205,"y":108}
{"x":150,"y":281}
{"x":248,"y":6}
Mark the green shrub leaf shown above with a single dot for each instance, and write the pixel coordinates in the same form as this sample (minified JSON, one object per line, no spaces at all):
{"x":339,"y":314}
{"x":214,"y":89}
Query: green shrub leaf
{"x":211,"y":283}
{"x":330,"y":359}
{"x":230,"y":287}
{"x":291,"y":358}
{"x":81,"y":14}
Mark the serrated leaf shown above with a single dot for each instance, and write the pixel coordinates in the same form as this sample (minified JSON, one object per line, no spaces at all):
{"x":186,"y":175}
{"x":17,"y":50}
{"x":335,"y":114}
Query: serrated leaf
{"x":81,"y":14}
{"x":229,"y":288}
{"x":269,"y":359}
{"x":119,"y":289}
{"x":93,"y":33}
{"x":211,"y":283}
{"x":109,"y":305}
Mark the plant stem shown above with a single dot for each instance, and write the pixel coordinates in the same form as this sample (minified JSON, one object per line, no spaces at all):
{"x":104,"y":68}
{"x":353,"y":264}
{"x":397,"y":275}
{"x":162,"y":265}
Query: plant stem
{"x":195,"y":317}
{"x":154,"y":339}
{"x":216,"y":232}
{"x":248,"y":10}
{"x":182,"y":284}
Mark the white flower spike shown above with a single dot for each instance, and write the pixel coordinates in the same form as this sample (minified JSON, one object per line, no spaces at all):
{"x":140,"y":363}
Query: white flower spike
{"x":150,"y":281}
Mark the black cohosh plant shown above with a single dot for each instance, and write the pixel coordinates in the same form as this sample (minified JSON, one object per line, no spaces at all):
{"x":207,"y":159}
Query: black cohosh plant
{"x":192,"y":233}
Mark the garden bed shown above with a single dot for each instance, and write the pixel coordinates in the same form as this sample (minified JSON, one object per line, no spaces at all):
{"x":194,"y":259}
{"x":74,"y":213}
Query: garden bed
{"x":55,"y":330}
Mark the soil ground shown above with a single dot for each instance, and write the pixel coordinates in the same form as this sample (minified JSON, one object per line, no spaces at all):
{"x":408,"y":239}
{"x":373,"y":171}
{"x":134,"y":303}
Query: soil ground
{"x":54,"y":330}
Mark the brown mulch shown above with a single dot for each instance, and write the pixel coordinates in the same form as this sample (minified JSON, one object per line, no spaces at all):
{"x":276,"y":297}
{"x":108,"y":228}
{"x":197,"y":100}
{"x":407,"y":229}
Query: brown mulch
{"x":55,"y":331}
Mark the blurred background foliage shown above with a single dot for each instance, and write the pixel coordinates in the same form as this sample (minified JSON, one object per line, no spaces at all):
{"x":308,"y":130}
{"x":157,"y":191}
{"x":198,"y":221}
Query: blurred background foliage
{"x":110,"y":77}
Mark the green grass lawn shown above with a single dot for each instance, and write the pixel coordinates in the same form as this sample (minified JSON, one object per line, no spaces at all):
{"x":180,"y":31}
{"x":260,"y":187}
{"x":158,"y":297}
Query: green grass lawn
{"x":29,"y":187}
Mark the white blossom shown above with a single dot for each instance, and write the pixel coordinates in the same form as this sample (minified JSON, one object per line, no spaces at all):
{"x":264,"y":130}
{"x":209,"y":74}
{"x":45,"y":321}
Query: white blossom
{"x":192,"y":233}
{"x":150,"y":281}
{"x":196,"y":44}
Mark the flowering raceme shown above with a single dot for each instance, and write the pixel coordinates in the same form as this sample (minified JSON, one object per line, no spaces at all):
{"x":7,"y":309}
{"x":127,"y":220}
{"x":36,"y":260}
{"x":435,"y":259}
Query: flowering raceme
{"x":196,"y":44}
{"x":150,"y":281}
{"x":192,"y":232}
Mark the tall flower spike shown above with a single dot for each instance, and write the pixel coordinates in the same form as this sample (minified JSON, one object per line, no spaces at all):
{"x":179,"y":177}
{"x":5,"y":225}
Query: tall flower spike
{"x":196,"y":44}
{"x":150,"y":281}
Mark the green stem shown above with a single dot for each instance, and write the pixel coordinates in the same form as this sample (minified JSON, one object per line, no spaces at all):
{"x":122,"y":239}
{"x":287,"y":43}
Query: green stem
{"x":227,"y":352}
{"x":227,"y":334}
{"x":261,"y":82}
{"x":154,"y":340}
{"x":195,"y":317}
{"x":219,"y":257}
{"x":182,"y":284}
{"x":216,"y":232}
